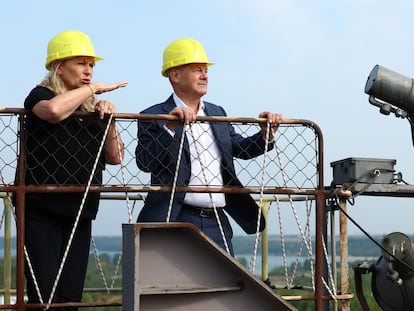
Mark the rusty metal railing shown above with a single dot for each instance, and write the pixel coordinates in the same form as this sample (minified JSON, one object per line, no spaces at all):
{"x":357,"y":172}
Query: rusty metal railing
{"x":294,"y":168}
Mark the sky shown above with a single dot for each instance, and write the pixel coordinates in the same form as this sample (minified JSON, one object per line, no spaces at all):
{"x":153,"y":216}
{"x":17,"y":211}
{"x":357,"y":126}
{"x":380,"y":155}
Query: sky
{"x":305,"y":59}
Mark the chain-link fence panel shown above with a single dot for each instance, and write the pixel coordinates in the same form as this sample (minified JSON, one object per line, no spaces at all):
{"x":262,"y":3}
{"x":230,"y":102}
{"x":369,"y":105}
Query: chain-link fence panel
{"x":275,"y":165}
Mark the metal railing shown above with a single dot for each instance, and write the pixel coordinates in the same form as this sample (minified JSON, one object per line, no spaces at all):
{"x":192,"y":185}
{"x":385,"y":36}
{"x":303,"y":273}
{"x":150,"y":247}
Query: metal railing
{"x":294,"y":167}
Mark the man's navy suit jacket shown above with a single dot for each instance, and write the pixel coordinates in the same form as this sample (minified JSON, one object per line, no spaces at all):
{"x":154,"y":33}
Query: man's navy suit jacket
{"x":157,"y":153}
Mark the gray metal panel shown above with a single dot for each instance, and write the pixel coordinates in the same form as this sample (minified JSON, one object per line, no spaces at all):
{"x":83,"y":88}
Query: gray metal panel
{"x":175,"y":266}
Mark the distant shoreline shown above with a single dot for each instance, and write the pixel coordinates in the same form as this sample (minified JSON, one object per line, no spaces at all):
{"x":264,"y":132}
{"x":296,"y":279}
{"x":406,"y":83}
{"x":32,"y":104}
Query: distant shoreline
{"x":358,"y":246}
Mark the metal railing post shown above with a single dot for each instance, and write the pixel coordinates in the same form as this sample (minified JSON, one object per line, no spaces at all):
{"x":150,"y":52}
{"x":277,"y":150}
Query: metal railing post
{"x":265,"y":243}
{"x":7,"y":249}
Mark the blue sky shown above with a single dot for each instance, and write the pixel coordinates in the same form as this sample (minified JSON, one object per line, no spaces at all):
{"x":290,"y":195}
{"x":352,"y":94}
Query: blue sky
{"x":305,"y":59}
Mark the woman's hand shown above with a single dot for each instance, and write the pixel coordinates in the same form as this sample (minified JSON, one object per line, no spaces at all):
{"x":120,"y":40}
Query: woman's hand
{"x":103,"y":107}
{"x":99,"y":88}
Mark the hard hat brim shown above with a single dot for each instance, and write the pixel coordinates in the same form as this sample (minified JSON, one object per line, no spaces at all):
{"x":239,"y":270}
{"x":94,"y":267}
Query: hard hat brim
{"x":164,"y":71}
{"x":48,"y":64}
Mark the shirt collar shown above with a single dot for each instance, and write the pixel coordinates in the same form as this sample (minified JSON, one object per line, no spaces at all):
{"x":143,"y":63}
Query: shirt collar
{"x":180,"y":103}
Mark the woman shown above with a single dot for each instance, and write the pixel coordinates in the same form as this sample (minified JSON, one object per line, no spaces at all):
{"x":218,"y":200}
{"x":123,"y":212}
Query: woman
{"x":62,"y":150}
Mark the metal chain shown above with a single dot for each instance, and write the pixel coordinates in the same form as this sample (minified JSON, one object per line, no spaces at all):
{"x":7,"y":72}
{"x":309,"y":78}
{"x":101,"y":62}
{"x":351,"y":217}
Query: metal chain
{"x":292,"y":205}
{"x":78,"y":215}
{"x":291,"y":201}
{"x":307,"y":229}
{"x":259,"y":210}
{"x":282,"y":240}
{"x":203,"y":169}
{"x":130,"y":212}
{"x":309,"y":210}
{"x":97,"y":257}
{"x":26,"y":254}
{"x":100,"y":268}
{"x":123,"y":169}
{"x":118,"y":264}
{"x":333,"y":295}
{"x":177,"y":166}
{"x":289,"y":283}
{"x":330,"y":274}
{"x":99,"y":264}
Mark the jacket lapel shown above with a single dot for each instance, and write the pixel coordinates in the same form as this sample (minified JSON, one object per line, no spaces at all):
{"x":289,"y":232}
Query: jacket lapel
{"x":210,"y":111}
{"x":168,"y":105}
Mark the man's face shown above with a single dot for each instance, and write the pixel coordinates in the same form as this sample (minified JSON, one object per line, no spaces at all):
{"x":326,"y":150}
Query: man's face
{"x":192,"y":79}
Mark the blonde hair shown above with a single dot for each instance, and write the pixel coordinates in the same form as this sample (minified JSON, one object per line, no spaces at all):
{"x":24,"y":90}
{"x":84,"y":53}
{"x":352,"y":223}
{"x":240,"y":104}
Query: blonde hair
{"x":53,"y":82}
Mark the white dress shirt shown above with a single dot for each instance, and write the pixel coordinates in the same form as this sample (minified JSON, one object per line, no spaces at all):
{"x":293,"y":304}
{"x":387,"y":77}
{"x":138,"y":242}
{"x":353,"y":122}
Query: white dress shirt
{"x":205,"y":162}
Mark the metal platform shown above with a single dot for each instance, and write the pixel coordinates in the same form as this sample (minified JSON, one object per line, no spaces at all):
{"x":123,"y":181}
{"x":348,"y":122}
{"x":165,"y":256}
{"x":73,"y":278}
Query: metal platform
{"x":390,"y":190}
{"x":174,"y":266}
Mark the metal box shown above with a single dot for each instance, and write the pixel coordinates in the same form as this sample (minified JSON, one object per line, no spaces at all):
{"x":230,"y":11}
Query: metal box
{"x":363,"y":170}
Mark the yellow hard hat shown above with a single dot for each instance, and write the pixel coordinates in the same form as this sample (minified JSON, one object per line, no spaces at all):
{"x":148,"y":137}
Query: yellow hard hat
{"x":68,"y":44}
{"x":181,"y":52}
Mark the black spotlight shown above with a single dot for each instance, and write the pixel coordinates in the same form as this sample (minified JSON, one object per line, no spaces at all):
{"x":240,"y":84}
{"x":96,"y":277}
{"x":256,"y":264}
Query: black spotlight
{"x":392,"y":93}
{"x":393,"y":274}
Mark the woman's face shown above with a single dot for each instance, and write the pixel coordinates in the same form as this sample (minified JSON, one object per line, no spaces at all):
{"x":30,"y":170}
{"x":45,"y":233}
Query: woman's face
{"x":76,"y":71}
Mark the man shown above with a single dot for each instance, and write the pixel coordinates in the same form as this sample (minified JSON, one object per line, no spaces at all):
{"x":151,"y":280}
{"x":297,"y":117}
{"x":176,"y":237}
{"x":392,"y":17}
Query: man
{"x":207,"y":156}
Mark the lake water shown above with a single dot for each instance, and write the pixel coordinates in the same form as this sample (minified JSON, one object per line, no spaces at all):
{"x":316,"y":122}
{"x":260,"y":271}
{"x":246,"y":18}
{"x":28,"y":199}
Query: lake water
{"x":274,"y":261}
